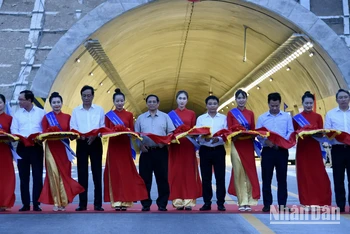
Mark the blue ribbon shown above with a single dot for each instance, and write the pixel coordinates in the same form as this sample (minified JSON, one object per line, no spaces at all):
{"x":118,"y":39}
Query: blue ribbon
{"x":177,"y":121}
{"x":14,"y":153}
{"x":8,"y":108}
{"x":51,"y":118}
{"x":244,"y":122}
{"x":240,"y":118}
{"x":302,"y":121}
{"x":114,"y":118}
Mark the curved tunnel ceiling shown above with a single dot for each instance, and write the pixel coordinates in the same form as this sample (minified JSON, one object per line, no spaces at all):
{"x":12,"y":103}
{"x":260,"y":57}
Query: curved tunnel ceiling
{"x":166,"y":46}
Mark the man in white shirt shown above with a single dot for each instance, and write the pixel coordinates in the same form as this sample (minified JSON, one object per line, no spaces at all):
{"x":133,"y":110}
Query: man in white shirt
{"x":212,"y":153}
{"x":26,"y":121}
{"x":339,"y":119}
{"x":85,"y":118}
{"x":273,"y":156}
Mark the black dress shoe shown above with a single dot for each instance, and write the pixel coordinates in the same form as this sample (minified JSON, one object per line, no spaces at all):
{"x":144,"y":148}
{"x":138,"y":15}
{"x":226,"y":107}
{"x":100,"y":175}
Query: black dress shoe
{"x":24,"y":208}
{"x":205,"y":207}
{"x":162,"y":209}
{"x":98,"y":208}
{"x":180,"y":208}
{"x":123,"y":208}
{"x":266,"y":209}
{"x":188,"y":208}
{"x":221,"y":208}
{"x":144,"y":208}
{"x":80,"y":208}
{"x":118,"y":208}
{"x":37,"y":208}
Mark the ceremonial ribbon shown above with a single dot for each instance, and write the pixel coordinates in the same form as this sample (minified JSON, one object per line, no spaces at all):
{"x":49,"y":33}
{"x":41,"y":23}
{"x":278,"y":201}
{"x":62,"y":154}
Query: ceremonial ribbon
{"x":177,"y":121}
{"x":244,"y":122}
{"x":51,"y":118}
{"x":14,"y":153}
{"x":8,"y":108}
{"x":114,"y":118}
{"x":302,"y":121}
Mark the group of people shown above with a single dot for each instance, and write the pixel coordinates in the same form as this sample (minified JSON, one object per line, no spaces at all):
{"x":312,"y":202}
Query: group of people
{"x":175,"y":165}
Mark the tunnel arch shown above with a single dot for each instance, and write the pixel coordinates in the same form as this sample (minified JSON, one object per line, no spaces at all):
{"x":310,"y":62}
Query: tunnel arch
{"x":165,"y":45}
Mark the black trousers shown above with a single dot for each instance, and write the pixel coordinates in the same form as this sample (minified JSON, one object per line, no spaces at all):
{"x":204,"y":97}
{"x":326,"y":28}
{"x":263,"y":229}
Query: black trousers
{"x":155,"y":160}
{"x":95,"y":152}
{"x":340,"y":163}
{"x":209,"y":157}
{"x":31,"y":156}
{"x":274,"y":158}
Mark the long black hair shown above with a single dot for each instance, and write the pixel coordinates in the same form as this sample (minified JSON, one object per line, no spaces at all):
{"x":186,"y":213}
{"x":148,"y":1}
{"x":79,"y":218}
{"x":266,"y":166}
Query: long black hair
{"x":2,"y":97}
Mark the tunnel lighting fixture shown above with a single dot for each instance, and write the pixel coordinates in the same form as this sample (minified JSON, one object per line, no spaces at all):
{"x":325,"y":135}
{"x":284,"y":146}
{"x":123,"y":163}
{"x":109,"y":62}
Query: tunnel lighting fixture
{"x":245,"y":44}
{"x":226,"y":107}
{"x":257,"y":87}
{"x":288,"y":68}
{"x":97,"y":52}
{"x":77,"y":60}
{"x":232,"y":103}
{"x":271,"y":79}
{"x":311,"y":54}
{"x":110,"y":88}
{"x":101,"y":83}
{"x":93,"y":70}
{"x":292,"y":48}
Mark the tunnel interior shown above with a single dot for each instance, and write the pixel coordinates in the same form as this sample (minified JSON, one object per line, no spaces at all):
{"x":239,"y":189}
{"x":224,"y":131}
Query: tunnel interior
{"x":165,"y":46}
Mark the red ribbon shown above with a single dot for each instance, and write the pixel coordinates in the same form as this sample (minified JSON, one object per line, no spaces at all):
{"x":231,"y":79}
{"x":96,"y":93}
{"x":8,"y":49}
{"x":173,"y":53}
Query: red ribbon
{"x":280,"y":141}
{"x":30,"y":140}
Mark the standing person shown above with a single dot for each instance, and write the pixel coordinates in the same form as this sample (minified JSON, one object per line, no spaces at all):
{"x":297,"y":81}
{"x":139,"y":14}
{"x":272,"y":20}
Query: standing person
{"x":244,"y":181}
{"x":7,"y":175}
{"x":154,"y":157}
{"x":339,"y":119}
{"x":122,"y":183}
{"x":26,"y":121}
{"x":273,"y":156}
{"x":86,"y":118}
{"x":59,"y":187}
{"x":212,"y":153}
{"x":313,"y":183}
{"x":184,"y":180}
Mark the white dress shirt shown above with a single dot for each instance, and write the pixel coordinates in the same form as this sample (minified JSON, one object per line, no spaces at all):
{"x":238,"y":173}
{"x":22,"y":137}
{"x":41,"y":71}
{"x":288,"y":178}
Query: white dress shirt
{"x":25,"y":122}
{"x":84,"y":120}
{"x":215,"y":123}
{"x":281,"y":123}
{"x":338,"y":120}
